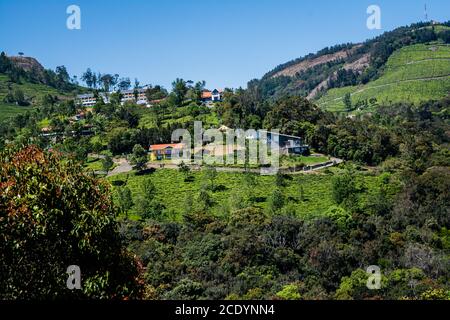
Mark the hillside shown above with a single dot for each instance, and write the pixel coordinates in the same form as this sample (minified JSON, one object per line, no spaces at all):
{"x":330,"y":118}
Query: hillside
{"x":408,"y":64}
{"x":414,"y":73}
{"x":24,"y":82}
{"x":32,"y":91}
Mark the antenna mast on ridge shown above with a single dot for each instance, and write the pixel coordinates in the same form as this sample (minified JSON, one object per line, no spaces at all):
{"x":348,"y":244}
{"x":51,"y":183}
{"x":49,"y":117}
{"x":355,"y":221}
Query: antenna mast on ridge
{"x":426,"y":13}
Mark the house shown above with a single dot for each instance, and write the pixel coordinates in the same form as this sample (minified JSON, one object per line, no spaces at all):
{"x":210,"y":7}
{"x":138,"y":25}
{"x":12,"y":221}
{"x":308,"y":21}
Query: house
{"x":294,"y":148}
{"x":216,"y":95}
{"x":211,"y":96}
{"x":206,"y":96}
{"x":79,"y":116}
{"x":164,"y":151}
{"x":289,"y":145}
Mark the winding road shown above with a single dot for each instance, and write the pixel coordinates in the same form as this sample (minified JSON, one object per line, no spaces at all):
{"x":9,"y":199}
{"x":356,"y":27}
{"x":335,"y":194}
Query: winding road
{"x":123,"y":166}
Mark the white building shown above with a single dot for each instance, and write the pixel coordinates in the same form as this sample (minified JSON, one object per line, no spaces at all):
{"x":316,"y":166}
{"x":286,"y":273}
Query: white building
{"x":89,"y":99}
{"x":131,"y":95}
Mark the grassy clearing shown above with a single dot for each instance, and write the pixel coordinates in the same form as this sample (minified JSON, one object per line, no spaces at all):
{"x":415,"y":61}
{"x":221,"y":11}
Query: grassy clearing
{"x":95,"y":164}
{"x":291,"y":161}
{"x":173,"y":191}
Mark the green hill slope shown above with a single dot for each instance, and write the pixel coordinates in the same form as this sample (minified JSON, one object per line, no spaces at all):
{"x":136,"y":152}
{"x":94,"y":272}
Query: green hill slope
{"x":413,"y":74}
{"x":24,"y":82}
{"x":32,"y":91}
{"x":407,"y":64}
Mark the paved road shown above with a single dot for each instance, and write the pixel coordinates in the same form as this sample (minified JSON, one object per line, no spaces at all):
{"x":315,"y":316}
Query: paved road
{"x":124,"y":166}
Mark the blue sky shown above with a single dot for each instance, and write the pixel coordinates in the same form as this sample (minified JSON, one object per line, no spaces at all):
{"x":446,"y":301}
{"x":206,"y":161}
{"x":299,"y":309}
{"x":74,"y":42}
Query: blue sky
{"x":225,"y":42}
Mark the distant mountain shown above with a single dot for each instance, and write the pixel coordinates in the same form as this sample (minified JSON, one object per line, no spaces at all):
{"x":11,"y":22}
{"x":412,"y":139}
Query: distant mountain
{"x":389,"y":68}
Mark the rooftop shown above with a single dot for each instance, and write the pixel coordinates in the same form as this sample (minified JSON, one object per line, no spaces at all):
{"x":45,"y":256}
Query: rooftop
{"x":155,"y":147}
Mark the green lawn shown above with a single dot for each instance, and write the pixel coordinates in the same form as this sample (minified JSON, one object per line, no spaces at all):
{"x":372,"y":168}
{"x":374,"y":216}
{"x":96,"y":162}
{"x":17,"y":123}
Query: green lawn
{"x":173,"y":191}
{"x":291,"y":161}
{"x":406,"y":78}
{"x":95,"y":164}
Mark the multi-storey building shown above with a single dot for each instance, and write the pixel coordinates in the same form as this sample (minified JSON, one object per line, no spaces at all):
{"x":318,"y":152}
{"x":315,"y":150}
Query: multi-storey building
{"x":131,"y":95}
{"x":89,"y":99}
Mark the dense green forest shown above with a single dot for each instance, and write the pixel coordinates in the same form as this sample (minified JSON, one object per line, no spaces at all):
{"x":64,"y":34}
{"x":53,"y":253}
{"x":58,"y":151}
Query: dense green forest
{"x":208,"y":233}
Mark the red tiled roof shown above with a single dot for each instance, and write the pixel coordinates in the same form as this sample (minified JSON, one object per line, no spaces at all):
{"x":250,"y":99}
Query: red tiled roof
{"x":155,"y":147}
{"x":206,"y":94}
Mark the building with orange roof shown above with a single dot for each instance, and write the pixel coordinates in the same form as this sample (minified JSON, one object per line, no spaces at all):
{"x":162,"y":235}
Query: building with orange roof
{"x":164,"y":151}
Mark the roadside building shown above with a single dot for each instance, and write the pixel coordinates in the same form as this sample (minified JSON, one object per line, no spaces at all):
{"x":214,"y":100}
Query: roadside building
{"x":164,"y":151}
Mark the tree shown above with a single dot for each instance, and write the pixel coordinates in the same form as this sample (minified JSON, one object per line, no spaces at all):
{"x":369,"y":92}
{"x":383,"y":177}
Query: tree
{"x":348,"y":102}
{"x":250,"y":183}
{"x":62,"y":77}
{"x":276,"y":201}
{"x":139,"y":157}
{"x":445,"y":36}
{"x":88,"y":78}
{"x":179,"y":88}
{"x":149,"y":189}
{"x":19,"y":97}
{"x":124,"y":84}
{"x":58,"y":216}
{"x":95,"y":80}
{"x":136,"y":89}
{"x":344,"y":189}
{"x":301,"y":193}
{"x":279,"y":179}
{"x":96,"y":147}
{"x":289,"y":292}
{"x":210,"y":175}
{"x":185,"y":170}
{"x":5,"y":63}
{"x":108,"y":81}
{"x":107,"y":163}
{"x":124,"y":199}
{"x":155,"y":93}
{"x":204,"y":199}
{"x":147,"y":205}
